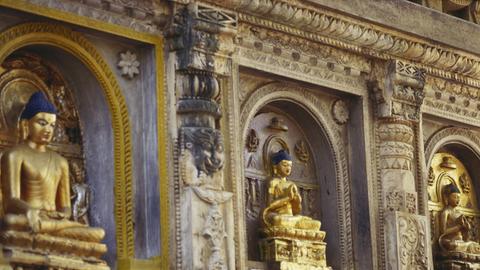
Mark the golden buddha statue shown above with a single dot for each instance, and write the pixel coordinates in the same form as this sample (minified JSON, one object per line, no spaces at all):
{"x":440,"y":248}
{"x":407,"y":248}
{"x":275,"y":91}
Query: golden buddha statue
{"x":284,"y":203}
{"x":285,"y":229}
{"x":454,"y":226}
{"x":36,"y":190}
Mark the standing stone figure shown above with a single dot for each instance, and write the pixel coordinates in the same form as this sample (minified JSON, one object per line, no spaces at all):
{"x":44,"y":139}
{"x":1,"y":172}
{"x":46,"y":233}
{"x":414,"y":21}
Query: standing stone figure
{"x":81,"y":195}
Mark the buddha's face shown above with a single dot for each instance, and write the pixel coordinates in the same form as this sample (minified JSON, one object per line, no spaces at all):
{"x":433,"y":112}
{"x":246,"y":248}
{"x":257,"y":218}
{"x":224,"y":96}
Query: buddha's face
{"x":283,"y":168}
{"x":41,"y":127}
{"x":454,"y":199}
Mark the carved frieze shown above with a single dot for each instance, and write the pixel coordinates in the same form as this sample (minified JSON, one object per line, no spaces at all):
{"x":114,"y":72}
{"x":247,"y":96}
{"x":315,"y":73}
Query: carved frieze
{"x":408,"y":238}
{"x":321,"y":65}
{"x":149,"y":16}
{"x":452,"y":100}
{"x":343,"y":33}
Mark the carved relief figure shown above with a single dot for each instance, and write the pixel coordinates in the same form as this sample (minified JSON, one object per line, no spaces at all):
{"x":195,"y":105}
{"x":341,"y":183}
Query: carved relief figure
{"x":454,"y":226}
{"x":207,"y":147}
{"x":205,"y":157}
{"x":81,"y":194}
{"x":36,"y":188}
{"x":284,"y":203}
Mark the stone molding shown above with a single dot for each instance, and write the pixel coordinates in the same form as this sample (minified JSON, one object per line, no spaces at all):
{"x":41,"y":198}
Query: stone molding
{"x":281,"y":54}
{"x":322,"y":26}
{"x":148,"y":17}
{"x":451,"y":100}
{"x":450,"y":135}
{"x":281,"y":91}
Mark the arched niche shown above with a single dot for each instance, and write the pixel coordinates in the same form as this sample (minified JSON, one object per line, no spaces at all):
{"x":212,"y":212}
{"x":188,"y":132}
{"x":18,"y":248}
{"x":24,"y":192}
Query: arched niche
{"x":321,"y":179}
{"x":453,"y":157}
{"x":104,"y":124}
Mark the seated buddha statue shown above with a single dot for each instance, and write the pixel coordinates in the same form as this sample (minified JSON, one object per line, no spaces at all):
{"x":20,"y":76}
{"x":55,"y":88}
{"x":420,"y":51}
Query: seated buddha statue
{"x":36,"y":187}
{"x":284,"y":203}
{"x":454,"y":226}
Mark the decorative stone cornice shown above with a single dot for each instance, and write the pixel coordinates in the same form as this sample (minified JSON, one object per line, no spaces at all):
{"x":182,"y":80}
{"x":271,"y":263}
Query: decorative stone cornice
{"x":145,"y":16}
{"x":340,"y":31}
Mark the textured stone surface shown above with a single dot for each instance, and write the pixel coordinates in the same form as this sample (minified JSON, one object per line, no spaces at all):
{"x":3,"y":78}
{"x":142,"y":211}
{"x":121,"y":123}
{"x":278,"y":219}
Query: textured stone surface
{"x":412,"y":18}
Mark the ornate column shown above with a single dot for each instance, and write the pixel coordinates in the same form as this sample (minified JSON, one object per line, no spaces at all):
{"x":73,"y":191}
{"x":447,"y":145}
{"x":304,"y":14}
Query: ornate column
{"x":201,"y":42}
{"x":403,"y":236}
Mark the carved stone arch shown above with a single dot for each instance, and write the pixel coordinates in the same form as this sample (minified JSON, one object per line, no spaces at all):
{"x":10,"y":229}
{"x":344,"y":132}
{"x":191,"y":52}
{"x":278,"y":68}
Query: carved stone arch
{"x":451,"y":135}
{"x":452,"y":157}
{"x":311,"y":104}
{"x":74,"y":44}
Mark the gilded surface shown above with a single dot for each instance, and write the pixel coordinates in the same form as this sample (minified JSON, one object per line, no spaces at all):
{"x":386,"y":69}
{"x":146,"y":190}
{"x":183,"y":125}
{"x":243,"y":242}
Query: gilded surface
{"x":454,"y":211}
{"x":290,"y":237}
{"x":27,"y":34}
{"x":36,"y":198}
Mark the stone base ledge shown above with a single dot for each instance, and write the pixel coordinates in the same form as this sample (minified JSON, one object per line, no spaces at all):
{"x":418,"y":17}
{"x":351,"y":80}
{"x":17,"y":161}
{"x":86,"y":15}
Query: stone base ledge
{"x":34,"y":260}
{"x":52,"y":244}
{"x":452,"y":264}
{"x":295,"y":266}
{"x":302,"y":253}
{"x":294,"y":234}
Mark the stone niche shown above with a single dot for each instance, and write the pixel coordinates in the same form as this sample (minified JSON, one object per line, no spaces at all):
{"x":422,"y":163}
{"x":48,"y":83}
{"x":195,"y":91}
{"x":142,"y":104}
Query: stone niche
{"x":454,"y":233}
{"x":85,"y":134}
{"x":289,"y":121}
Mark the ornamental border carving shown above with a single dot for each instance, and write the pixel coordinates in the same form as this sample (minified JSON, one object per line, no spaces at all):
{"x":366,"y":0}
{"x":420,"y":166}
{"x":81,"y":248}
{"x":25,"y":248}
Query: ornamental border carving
{"x":450,"y":135}
{"x":346,"y":33}
{"x":61,"y":37}
{"x":312,"y":104}
{"x":137,"y":18}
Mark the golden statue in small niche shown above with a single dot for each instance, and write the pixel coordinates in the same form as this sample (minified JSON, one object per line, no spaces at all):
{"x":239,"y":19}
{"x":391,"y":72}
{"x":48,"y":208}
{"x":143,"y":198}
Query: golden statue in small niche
{"x":284,"y":203}
{"x":36,"y":192}
{"x":454,"y":226}
{"x":292,"y":241}
{"x":454,"y":214}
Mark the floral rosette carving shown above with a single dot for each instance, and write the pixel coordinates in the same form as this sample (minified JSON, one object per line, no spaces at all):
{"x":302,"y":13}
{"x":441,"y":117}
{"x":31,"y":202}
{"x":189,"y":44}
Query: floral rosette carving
{"x":340,"y":111}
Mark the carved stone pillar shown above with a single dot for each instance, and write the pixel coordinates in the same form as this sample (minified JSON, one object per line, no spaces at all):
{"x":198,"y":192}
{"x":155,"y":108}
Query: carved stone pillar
{"x":200,"y":40}
{"x":398,"y":93}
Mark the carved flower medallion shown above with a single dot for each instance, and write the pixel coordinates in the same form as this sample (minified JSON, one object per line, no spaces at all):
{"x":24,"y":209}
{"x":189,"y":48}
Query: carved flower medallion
{"x":129,"y":64}
{"x":340,"y":112}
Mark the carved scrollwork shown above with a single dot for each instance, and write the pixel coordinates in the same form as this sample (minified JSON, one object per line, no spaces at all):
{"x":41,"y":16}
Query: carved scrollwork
{"x":412,"y":234}
{"x":215,"y":231}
